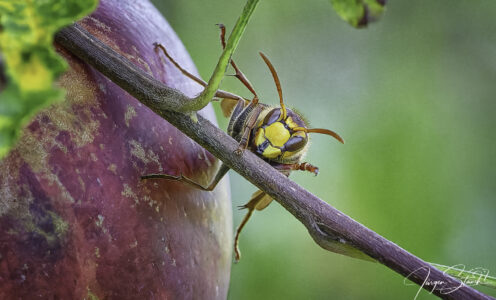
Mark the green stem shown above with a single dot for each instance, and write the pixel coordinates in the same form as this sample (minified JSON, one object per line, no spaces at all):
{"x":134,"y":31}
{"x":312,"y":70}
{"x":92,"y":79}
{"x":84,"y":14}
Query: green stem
{"x":213,"y":84}
{"x":472,"y":277}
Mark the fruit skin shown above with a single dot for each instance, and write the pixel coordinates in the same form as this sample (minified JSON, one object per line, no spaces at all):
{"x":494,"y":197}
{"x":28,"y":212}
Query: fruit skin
{"x":76,"y":222}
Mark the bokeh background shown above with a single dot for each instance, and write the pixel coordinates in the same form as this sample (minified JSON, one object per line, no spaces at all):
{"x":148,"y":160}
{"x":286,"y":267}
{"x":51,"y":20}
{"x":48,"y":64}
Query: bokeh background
{"x":414,"y":96}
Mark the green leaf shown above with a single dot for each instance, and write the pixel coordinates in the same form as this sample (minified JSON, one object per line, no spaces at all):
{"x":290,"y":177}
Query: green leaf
{"x":359,"y":13}
{"x":473,"y":277}
{"x":27,"y":28}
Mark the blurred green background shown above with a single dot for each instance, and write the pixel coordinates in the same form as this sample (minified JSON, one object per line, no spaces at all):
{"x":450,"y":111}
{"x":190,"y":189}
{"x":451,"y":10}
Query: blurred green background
{"x":413,"y":95}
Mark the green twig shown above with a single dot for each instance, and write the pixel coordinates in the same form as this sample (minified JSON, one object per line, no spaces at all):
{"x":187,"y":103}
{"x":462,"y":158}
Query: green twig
{"x":213,"y":84}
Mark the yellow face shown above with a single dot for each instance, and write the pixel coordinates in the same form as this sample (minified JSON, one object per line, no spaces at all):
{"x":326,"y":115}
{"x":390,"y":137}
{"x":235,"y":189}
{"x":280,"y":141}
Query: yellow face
{"x":275,"y":138}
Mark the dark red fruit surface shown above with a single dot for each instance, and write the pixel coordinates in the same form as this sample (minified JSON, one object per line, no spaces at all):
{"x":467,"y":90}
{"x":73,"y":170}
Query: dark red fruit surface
{"x":76,"y":222}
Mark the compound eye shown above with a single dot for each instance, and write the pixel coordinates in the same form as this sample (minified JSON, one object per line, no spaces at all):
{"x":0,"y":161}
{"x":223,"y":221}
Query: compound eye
{"x":295,"y":143}
{"x":272,"y":116}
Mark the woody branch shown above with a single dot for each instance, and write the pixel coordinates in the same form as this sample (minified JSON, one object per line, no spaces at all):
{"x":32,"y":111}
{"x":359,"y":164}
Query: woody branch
{"x":325,"y":223}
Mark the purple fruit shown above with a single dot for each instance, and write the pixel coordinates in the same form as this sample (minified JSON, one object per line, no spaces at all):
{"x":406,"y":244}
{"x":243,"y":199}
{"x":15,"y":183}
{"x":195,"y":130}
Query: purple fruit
{"x":76,"y":222}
